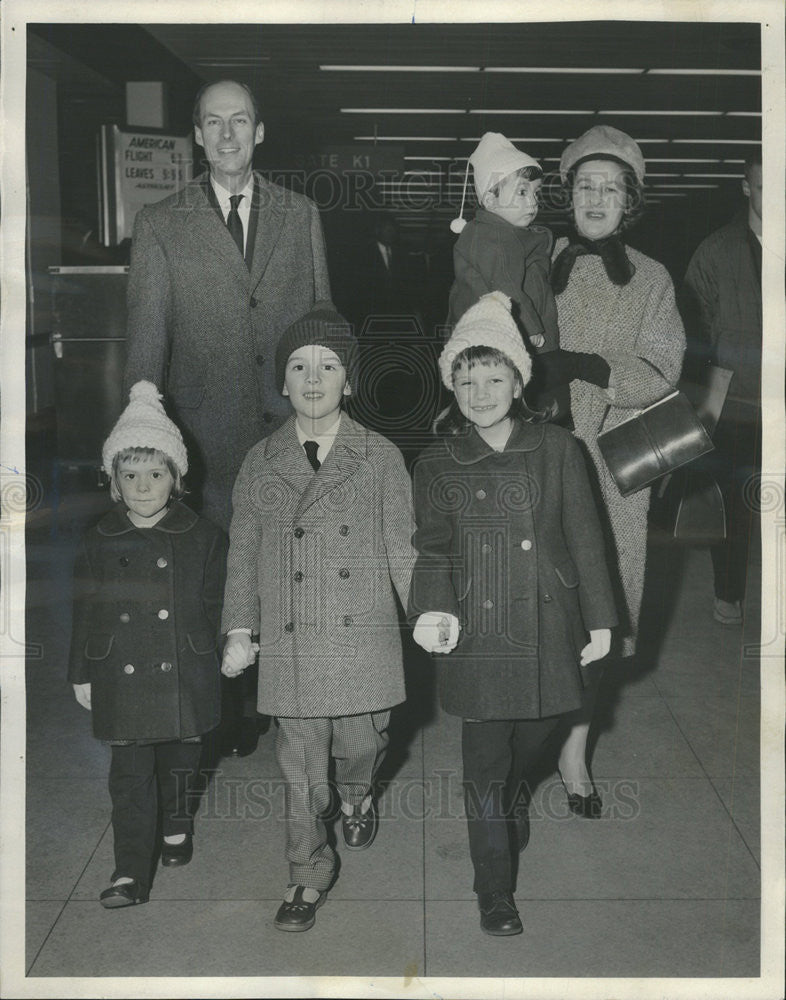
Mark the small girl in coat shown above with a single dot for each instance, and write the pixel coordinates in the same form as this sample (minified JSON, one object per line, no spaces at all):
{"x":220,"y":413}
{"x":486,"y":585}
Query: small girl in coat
{"x":510,"y":579}
{"x":148,"y":584}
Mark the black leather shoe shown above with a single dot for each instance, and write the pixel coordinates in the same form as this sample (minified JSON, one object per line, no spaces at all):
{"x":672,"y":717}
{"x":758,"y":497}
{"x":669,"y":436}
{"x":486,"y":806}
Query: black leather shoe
{"x":588,"y":806}
{"x":240,"y":741}
{"x":360,"y":829}
{"x":126,"y":894}
{"x":173,"y":855}
{"x":498,"y":914}
{"x":298,"y":915}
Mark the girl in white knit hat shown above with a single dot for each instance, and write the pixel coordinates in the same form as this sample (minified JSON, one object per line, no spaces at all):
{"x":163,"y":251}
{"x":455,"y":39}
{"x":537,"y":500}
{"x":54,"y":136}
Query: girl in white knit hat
{"x":510,"y":581}
{"x":148,"y":586}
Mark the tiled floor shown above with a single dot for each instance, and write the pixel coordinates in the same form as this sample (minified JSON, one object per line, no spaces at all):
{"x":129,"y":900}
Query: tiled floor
{"x":667,"y":884}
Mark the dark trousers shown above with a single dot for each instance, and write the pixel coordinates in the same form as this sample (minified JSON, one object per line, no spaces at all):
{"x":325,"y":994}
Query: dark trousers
{"x":736,"y":463}
{"x":143,"y":778}
{"x":497,"y":756}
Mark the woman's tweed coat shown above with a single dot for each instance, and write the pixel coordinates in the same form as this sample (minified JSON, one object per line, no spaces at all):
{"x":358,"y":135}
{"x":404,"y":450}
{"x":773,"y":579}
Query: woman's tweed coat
{"x":637,"y":329}
{"x":510,"y":543}
{"x":147,"y":606}
{"x":313,"y":562}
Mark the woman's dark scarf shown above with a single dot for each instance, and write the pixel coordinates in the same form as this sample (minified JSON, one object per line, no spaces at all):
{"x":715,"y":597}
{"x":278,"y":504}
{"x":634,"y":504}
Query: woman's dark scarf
{"x":611,"y":251}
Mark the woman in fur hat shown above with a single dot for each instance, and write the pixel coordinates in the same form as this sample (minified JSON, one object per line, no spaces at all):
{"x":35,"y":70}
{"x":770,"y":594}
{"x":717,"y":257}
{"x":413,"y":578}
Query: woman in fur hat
{"x":622,"y":343}
{"x":510,"y":581}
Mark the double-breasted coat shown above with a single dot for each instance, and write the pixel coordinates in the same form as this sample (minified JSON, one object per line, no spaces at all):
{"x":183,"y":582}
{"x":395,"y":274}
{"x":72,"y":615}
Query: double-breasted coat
{"x":203,"y":324}
{"x":509,"y":542}
{"x":314,"y":560}
{"x":147,"y":607}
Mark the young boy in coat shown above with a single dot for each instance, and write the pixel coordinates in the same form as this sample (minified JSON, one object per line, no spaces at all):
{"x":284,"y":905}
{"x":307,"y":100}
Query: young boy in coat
{"x":148,"y":583}
{"x":501,"y":250}
{"x":320,"y":540}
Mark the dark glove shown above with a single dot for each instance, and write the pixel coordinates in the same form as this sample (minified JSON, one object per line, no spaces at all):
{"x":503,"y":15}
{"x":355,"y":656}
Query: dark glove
{"x":553,"y":368}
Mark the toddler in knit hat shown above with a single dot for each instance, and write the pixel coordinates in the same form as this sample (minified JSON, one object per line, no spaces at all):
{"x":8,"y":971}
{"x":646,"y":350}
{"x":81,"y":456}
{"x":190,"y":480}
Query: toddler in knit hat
{"x":148,"y":583}
{"x":501,"y":249}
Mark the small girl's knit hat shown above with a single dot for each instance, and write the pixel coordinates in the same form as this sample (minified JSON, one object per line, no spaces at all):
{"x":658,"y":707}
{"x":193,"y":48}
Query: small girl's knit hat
{"x":144,"y":424}
{"x":493,"y":159}
{"x":323,"y":326}
{"x":488,"y":323}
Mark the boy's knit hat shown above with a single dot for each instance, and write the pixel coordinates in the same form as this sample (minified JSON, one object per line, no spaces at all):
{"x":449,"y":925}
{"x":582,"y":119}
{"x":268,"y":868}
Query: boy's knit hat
{"x":488,"y":323}
{"x":144,"y":424}
{"x":325,"y":327}
{"x":493,"y":159}
{"x":603,"y":142}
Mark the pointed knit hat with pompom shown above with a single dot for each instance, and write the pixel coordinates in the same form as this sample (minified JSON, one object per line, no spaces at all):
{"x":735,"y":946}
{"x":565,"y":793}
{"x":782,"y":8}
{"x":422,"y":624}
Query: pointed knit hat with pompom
{"x":488,"y":323}
{"x":144,"y":424}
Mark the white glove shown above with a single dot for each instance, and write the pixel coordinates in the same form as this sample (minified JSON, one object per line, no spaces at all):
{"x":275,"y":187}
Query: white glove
{"x":239,"y":653}
{"x":597,"y":647}
{"x":437,"y":632}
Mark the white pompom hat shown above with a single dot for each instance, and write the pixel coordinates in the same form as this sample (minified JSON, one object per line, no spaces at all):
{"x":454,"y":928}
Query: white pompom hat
{"x":493,"y":159}
{"x":144,"y":424}
{"x":488,"y":323}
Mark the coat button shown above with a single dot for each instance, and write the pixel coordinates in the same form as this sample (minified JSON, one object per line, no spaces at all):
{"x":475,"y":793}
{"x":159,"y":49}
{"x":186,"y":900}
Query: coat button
{"x":267,"y":417}
{"x":289,"y":627}
{"x":481,"y":494}
{"x":163,"y":614}
{"x":298,"y":532}
{"x":125,"y":617}
{"x":128,"y":668}
{"x":547,"y":598}
{"x":253,"y":302}
{"x":124,"y":560}
{"x":161,"y":562}
{"x":166,"y":667}
{"x":260,"y":359}
{"x":488,"y":605}
{"x":298,"y":576}
{"x":347,"y":620}
{"x":344,"y":574}
{"x":344,"y":529}
{"x":526,"y":544}
{"x":485,"y":548}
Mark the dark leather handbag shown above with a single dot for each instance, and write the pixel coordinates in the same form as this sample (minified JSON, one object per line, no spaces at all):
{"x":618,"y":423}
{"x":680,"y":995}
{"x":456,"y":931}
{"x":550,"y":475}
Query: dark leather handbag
{"x":689,"y":506}
{"x":658,"y":440}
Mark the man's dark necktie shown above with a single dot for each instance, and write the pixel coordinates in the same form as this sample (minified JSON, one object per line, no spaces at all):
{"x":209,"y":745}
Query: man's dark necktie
{"x":311,"y":454}
{"x":234,"y":222}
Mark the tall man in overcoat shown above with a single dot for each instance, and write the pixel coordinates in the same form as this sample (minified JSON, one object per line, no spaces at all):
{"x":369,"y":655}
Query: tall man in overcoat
{"x":218,"y":272}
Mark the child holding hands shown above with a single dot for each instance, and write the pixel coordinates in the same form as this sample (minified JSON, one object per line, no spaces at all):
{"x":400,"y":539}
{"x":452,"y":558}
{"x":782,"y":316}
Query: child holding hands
{"x":148,"y":583}
{"x":320,"y":541}
{"x":510,"y":582}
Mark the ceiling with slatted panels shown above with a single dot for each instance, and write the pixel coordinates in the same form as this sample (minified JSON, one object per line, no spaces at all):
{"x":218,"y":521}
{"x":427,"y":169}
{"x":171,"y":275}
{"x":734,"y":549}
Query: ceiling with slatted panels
{"x":689,"y":93}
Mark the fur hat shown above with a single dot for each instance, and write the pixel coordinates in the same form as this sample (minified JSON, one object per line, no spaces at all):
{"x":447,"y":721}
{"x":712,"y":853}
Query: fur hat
{"x":325,"y":327}
{"x":488,"y":323}
{"x":144,"y":424}
{"x":603,"y":142}
{"x":493,"y":159}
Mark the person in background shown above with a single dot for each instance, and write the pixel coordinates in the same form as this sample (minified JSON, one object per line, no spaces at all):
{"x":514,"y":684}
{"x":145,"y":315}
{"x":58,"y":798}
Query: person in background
{"x":148,"y":584}
{"x":721,"y":303}
{"x":218,"y":272}
{"x":622,"y":343}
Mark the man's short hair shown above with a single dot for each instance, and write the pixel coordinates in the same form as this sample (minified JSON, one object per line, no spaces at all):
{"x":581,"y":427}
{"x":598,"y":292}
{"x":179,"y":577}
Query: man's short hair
{"x":753,"y":159}
{"x":206,"y":86}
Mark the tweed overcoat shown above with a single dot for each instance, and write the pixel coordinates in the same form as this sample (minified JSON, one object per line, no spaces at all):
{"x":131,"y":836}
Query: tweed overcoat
{"x":637,"y":329}
{"x":147,"y":607}
{"x":314,"y":560}
{"x":510,"y":543}
{"x":204,"y":329}
{"x":491,"y":254}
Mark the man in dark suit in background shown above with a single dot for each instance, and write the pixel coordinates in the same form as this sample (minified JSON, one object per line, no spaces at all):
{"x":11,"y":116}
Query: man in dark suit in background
{"x":721,"y":303}
{"x":218,"y":272}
